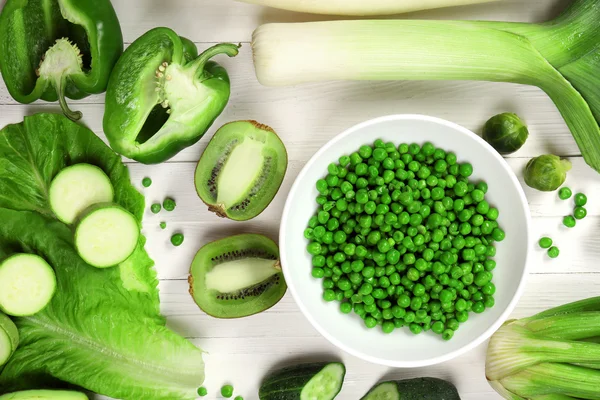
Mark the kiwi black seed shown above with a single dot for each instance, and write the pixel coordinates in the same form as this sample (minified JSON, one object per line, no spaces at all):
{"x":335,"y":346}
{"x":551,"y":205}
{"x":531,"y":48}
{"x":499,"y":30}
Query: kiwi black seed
{"x":241,"y":170}
{"x":237,"y":276}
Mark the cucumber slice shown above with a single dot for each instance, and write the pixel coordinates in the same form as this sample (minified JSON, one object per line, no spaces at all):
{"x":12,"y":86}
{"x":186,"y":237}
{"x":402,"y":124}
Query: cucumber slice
{"x":317,"y":381}
{"x":27,"y":284}
{"x":9,"y":338}
{"x":44,"y":395}
{"x":76,"y":188}
{"x":383,"y":391}
{"x":106,"y":236}
{"x":414,"y":389}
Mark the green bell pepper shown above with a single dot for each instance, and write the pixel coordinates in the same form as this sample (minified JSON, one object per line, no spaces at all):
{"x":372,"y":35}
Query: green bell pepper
{"x":52,"y":49}
{"x":162,"y":97}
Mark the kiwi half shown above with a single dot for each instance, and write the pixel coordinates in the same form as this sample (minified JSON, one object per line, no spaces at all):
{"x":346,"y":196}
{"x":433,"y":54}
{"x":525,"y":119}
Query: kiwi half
{"x":237,"y":276}
{"x":241,"y":170}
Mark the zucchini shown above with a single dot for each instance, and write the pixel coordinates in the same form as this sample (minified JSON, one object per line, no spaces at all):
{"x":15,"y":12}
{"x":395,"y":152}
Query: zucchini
{"x":315,"y":381}
{"x":76,"y":188}
{"x":44,"y":395}
{"x":27,"y":284}
{"x":413,"y":389}
{"x":106,"y":235}
{"x":9,"y":338}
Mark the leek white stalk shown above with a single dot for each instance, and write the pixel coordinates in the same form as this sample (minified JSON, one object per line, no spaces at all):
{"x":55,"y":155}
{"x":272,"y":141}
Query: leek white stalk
{"x":361,"y":7}
{"x":550,"y":356}
{"x":561,"y":57}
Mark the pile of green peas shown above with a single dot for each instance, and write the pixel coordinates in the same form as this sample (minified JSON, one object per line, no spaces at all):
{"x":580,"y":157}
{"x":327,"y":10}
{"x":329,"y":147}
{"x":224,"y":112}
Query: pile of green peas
{"x":403,"y":238}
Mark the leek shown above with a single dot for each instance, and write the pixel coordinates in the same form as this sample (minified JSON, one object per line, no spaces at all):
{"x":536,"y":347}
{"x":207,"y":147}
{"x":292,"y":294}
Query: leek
{"x":361,"y":7}
{"x":553,"y":355}
{"x":562,"y":57}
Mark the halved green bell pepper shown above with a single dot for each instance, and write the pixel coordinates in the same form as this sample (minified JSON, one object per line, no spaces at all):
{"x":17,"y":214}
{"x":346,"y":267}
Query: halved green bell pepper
{"x":162,"y":97}
{"x":52,"y":49}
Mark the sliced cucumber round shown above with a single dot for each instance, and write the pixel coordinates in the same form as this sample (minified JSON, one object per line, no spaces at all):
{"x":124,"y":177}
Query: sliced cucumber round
{"x":27,"y":284}
{"x":315,"y":381}
{"x":9,"y":338}
{"x":76,"y":188}
{"x":106,"y":235}
{"x":44,"y":395}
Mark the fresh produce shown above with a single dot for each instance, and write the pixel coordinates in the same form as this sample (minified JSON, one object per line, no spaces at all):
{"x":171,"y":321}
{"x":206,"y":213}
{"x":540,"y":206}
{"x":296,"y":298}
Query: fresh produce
{"x":361,"y":7}
{"x":545,"y":242}
{"x":546,"y":173}
{"x":237,"y":276}
{"x":202,"y":391}
{"x":169,"y":204}
{"x":177,"y":239}
{"x":506,"y":132}
{"x":580,"y":199}
{"x":227,"y":391}
{"x":106,"y":235}
{"x":315,"y":381}
{"x":414,"y":389}
{"x":403,"y":238}
{"x":155,"y":208}
{"x":102,"y":331}
{"x":241,"y":170}
{"x":27,"y":284}
{"x":552,"y":355}
{"x":553,"y":252}
{"x":45,"y":395}
{"x":561,"y":57}
{"x":76,"y":188}
{"x":569,"y":221}
{"x":163,"y":225}
{"x":565,"y":193}
{"x":146,"y":182}
{"x":9,"y":339}
{"x":55,"y":49}
{"x":580,"y":213}
{"x":158,"y":101}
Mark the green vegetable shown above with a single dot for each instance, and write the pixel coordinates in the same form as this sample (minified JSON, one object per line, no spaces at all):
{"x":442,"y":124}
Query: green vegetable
{"x":163,"y":225}
{"x":403,"y":238}
{"x":155,"y":208}
{"x":237,"y":276}
{"x":545,"y":242}
{"x":580,"y":213}
{"x":76,"y":188}
{"x":55,"y":49}
{"x":158,"y":102}
{"x":239,"y":398}
{"x":95,"y":332}
{"x":9,"y":338}
{"x":146,"y":182}
{"x":552,"y":355}
{"x":561,"y":57}
{"x":413,"y":389}
{"x":169,"y":204}
{"x":202,"y":391}
{"x":177,"y":239}
{"x":27,"y":284}
{"x":546,"y":173}
{"x":227,"y":391}
{"x":106,"y":235}
{"x":553,"y":252}
{"x":506,"y":132}
{"x":569,"y":221}
{"x":580,"y":199}
{"x":565,"y":193}
{"x":360,"y":7}
{"x":316,"y":381}
{"x":44,"y":395}
{"x":241,"y":170}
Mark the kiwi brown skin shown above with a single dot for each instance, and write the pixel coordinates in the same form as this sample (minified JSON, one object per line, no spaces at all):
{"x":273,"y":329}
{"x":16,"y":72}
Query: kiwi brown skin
{"x":228,"y":305}
{"x":219,"y":209}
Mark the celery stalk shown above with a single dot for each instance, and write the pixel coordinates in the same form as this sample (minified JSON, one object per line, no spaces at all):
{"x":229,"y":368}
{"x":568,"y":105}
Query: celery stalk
{"x":574,"y":326}
{"x":562,"y":57}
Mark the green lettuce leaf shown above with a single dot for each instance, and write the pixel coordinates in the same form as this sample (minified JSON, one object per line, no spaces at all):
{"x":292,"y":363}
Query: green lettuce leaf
{"x":102,"y":330}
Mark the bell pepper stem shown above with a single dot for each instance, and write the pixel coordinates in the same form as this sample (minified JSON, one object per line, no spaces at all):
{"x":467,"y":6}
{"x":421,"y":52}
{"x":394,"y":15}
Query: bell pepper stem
{"x":229,"y":49}
{"x":60,"y":85}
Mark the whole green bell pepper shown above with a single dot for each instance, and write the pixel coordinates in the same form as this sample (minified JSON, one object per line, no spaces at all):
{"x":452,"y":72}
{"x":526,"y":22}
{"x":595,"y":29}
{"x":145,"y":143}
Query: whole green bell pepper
{"x":52,"y":49}
{"x":162,"y":97}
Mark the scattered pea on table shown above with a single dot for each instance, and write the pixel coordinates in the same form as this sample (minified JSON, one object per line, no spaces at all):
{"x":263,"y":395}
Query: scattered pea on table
{"x":565,"y":193}
{"x":169,"y":204}
{"x":569,"y":221}
{"x":553,"y":252}
{"x":580,"y":212}
{"x":155,"y":208}
{"x":580,"y":199}
{"x":163,"y":225}
{"x":227,"y":391}
{"x":545,"y":243}
{"x":146,"y":182}
{"x":177,"y":239}
{"x":202,"y":391}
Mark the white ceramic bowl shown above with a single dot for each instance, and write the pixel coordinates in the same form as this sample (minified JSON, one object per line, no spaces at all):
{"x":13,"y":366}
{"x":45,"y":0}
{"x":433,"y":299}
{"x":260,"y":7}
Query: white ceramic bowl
{"x":402,"y":348}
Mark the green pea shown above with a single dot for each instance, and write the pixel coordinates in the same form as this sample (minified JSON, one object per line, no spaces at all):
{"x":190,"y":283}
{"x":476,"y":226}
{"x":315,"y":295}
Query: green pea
{"x":499,"y":235}
{"x":227,"y":391}
{"x":579,"y":212}
{"x":146,"y":182}
{"x":155,"y":208}
{"x":553,"y":252}
{"x":545,"y":242}
{"x":177,"y":239}
{"x":565,"y":193}
{"x":202,"y":391}
{"x":569,"y":221}
{"x":465,"y":170}
{"x":580,"y":199}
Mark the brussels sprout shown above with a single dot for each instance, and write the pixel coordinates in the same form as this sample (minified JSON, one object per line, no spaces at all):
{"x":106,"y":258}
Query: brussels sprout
{"x":546,"y":173}
{"x":505,"y":132}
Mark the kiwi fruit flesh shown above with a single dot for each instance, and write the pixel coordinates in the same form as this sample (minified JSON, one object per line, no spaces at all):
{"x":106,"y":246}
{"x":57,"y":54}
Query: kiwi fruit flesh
{"x":241,"y":170}
{"x":237,"y":276}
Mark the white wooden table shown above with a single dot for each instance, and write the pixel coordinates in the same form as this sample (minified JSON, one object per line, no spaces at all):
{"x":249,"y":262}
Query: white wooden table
{"x":242,"y":351}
